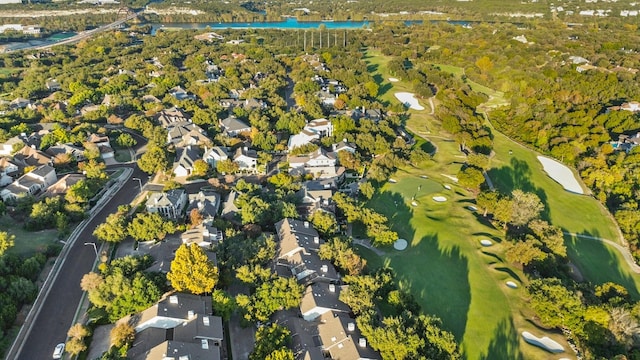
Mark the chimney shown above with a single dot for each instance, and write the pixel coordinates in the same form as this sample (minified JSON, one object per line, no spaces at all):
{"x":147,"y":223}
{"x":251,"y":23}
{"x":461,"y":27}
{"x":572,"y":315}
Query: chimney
{"x":324,"y":269}
{"x":306,"y":224}
{"x":351,"y":327}
{"x":332,"y":287}
{"x":362,"y":342}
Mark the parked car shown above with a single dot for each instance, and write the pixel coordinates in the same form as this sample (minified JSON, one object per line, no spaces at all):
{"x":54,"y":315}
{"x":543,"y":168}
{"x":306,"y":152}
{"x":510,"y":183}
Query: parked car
{"x":58,"y":351}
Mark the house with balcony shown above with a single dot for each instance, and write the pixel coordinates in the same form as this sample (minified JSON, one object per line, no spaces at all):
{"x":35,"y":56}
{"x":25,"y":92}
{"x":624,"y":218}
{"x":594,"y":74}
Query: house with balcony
{"x":180,"y":326}
{"x":31,"y":183}
{"x":170,"y":204}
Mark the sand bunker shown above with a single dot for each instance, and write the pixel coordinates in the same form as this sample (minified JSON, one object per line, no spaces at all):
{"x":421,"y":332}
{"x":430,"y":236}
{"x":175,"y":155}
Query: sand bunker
{"x":512,"y":284}
{"x":393,"y":80}
{"x":472,"y":208}
{"x":486,"y":242}
{"x":414,"y":203}
{"x":448,"y":187}
{"x":409,"y":100}
{"x":400,"y":244}
{"x":439,"y":198}
{"x":545,"y":342}
{"x":561,"y":174}
{"x":393,"y":181}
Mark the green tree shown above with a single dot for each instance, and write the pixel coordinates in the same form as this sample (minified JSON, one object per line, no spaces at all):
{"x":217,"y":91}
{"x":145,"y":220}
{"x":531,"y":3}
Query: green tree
{"x":555,"y":305}
{"x":125,"y":140}
{"x":153,"y":160}
{"x":325,"y":222}
{"x":227,"y":166}
{"x":526,"y":207}
{"x":122,"y":334}
{"x":223,"y":304}
{"x":281,"y":354}
{"x":114,"y":229}
{"x":6,"y":241}
{"x":78,"y":331}
{"x":276,"y":294}
{"x":191,"y":270}
{"x":367,"y":190}
{"x":471,"y":178}
{"x":200,"y":168}
{"x":270,"y":338}
{"x":149,"y":226}
{"x":75,"y":346}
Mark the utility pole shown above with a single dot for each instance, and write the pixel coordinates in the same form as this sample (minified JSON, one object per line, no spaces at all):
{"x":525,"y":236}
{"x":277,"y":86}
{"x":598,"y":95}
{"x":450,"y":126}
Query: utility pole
{"x":305,"y":41}
{"x":320,"y":36}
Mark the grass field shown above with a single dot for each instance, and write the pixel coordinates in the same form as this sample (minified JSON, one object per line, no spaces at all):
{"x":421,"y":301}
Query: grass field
{"x":8,"y":71}
{"x":27,"y":242}
{"x":446,"y":268}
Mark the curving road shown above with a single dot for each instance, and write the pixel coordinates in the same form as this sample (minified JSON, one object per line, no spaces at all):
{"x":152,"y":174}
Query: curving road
{"x":53,"y":317}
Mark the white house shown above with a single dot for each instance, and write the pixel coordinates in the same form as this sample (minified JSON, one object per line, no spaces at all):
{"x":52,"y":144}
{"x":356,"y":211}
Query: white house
{"x":320,"y":163}
{"x":30,"y":183}
{"x":315,"y":129}
{"x":170,"y":204}
{"x":247,"y":159}
{"x":215,"y":154}
{"x":202,"y":235}
{"x":185,"y":158}
{"x":7,"y":147}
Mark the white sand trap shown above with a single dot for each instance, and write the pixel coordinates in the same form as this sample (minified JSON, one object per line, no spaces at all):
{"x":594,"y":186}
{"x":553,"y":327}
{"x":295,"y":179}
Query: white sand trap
{"x":393,"y":181}
{"x":400,"y":244}
{"x":452,"y":178}
{"x":472,"y":208}
{"x":486,"y":242}
{"x":414,"y":203}
{"x":394,"y":79}
{"x":409,"y":100}
{"x":545,"y":342}
{"x":439,"y":198}
{"x":448,"y":187}
{"x":512,"y":284}
{"x":424,"y":176}
{"x":561,"y":174}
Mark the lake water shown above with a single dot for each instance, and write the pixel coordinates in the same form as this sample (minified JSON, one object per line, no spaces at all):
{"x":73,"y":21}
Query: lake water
{"x":288,"y":23}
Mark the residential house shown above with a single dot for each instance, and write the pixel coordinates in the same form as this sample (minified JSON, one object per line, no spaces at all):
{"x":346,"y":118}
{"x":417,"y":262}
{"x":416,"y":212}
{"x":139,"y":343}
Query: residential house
{"x":215,"y":154}
{"x":343,"y":145}
{"x":341,"y":338}
{"x":232,"y":126}
{"x":247,"y":159}
{"x":103,"y":143}
{"x":170,"y":116}
{"x":369,"y":114}
{"x":187,"y":133}
{"x":181,"y":94}
{"x":30,"y":183}
{"x":170,"y":204}
{"x":207,"y":202}
{"x":626,"y":142}
{"x":178,"y":327}
{"x":20,"y":103}
{"x":229,"y":208}
{"x":28,"y":156}
{"x":319,"y":299}
{"x":61,"y":186}
{"x":12,"y":144}
{"x":320,"y":163}
{"x":203,"y":235}
{"x":53,"y":85}
{"x":150,"y":99}
{"x":313,"y":199}
{"x":7,"y":167}
{"x":7,"y":170}
{"x":230,"y":103}
{"x":185,"y":158}
{"x":314,"y":129}
{"x":76,"y":153}
{"x":298,"y":256}
{"x":633,"y":106}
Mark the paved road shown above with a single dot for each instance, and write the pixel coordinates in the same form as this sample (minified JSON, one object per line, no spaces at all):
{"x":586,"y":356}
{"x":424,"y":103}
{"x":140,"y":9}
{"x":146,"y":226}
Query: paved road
{"x":56,"y":316}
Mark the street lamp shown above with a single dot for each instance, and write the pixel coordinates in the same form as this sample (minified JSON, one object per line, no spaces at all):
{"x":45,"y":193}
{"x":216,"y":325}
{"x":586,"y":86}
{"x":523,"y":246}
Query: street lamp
{"x":95,"y":249}
{"x":139,"y":182}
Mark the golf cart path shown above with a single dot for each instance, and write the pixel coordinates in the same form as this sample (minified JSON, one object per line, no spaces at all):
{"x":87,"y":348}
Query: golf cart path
{"x":623,"y":250}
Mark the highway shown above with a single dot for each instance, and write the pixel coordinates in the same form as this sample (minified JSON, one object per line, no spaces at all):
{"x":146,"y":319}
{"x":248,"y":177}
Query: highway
{"x":85,"y":34}
{"x":56,"y":313}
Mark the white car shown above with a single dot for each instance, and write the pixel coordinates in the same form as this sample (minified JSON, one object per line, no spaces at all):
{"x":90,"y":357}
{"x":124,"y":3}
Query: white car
{"x":58,"y":351}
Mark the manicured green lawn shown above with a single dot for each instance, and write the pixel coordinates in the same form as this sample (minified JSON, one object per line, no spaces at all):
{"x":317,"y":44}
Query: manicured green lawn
{"x":445,"y":267}
{"x":123,"y":155}
{"x":8,"y":71}
{"x":27,"y":243}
